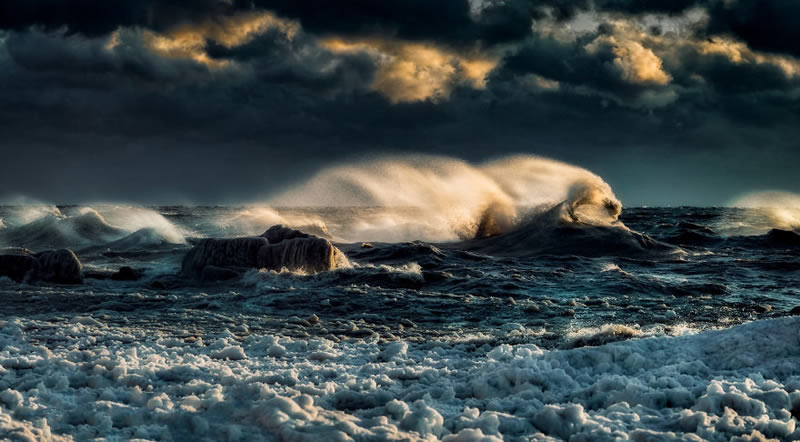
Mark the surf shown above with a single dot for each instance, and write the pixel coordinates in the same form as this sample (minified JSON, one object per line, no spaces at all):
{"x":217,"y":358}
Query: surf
{"x":441,"y":199}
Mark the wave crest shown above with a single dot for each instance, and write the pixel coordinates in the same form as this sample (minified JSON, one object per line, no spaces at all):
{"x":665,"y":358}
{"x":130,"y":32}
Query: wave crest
{"x":435,"y":198}
{"x":48,"y":227}
{"x":769,"y":210}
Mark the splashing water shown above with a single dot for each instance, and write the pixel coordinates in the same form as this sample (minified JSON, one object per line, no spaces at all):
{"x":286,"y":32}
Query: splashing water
{"x":132,"y":219}
{"x":436,"y":198}
{"x":24,"y":214}
{"x":772,"y":209}
{"x":254,"y":220}
{"x":41,"y":227}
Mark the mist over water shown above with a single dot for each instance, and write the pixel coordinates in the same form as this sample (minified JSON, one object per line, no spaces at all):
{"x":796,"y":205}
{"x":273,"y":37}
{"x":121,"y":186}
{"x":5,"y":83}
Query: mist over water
{"x":768,"y":210}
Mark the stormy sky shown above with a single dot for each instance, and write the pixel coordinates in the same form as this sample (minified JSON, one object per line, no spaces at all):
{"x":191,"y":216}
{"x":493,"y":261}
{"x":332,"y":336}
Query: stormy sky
{"x":220,"y":101}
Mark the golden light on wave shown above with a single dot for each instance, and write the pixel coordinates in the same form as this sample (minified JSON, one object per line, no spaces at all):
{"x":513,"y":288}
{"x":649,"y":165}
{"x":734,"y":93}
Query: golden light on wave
{"x":417,"y":71}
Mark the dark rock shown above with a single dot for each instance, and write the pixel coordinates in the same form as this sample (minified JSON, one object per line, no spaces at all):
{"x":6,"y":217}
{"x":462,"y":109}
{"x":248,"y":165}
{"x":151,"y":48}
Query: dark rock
{"x":556,"y":232}
{"x":59,"y":266}
{"x":18,"y":264}
{"x":795,"y":311}
{"x":213,"y":273}
{"x":236,"y":252}
{"x":126,"y":273}
{"x":279,"y":247}
{"x":279,"y":233}
{"x":780,"y":237}
{"x":311,"y":254}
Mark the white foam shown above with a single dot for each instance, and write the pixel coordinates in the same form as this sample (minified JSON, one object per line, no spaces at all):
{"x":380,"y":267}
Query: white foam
{"x":83,"y":379}
{"x":435,"y":198}
{"x":47,"y":227}
{"x":132,"y":219}
{"x":24,"y":214}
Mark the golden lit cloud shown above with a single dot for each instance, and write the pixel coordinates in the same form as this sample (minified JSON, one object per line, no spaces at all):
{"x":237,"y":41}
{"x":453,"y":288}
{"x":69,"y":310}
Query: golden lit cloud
{"x":739,"y":53}
{"x":636,"y":63}
{"x":417,"y":71}
{"x":189,"y":41}
{"x":537,"y":82}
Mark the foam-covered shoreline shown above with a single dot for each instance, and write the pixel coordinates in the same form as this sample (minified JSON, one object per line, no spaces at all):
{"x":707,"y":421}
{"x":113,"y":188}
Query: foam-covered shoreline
{"x":84,"y":379}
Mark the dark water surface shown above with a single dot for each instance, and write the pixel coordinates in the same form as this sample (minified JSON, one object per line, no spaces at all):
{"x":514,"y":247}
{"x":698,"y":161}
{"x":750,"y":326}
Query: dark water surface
{"x":703,"y":268}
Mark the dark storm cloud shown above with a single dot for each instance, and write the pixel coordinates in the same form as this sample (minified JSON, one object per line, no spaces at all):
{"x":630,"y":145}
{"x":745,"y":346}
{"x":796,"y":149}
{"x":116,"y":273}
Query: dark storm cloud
{"x":276,"y":59}
{"x":570,"y":63}
{"x":448,"y":21}
{"x":99,"y":17}
{"x":769,"y":25}
{"x":74,"y":56}
{"x":565,"y":9}
{"x":765,"y":24}
{"x":727,"y":77}
{"x":86,"y":116}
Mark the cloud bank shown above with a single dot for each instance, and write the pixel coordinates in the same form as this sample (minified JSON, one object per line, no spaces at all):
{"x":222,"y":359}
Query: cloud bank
{"x":219,"y":101}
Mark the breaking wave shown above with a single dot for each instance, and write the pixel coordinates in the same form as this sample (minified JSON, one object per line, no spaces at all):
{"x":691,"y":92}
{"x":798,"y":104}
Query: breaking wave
{"x":768,"y":210}
{"x":434,"y":198}
{"x":48,"y":227}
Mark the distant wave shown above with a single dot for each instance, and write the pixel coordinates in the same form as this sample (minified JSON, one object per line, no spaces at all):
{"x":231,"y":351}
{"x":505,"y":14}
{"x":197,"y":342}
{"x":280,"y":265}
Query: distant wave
{"x":42,"y":227}
{"x":769,"y":210}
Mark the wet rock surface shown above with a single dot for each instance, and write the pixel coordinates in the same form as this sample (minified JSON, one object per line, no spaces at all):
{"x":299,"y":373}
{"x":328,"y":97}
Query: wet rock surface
{"x":278,"y":248}
{"x":58,"y":266}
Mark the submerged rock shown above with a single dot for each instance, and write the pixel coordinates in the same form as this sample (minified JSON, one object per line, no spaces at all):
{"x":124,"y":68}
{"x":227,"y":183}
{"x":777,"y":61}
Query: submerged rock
{"x":126,"y":273}
{"x":59,"y":266}
{"x":787,"y":238}
{"x":277,"y":248}
{"x":18,"y":264}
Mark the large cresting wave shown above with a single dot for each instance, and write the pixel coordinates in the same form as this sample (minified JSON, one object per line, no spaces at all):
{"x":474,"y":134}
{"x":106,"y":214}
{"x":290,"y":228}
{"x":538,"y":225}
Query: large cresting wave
{"x":435,"y":198}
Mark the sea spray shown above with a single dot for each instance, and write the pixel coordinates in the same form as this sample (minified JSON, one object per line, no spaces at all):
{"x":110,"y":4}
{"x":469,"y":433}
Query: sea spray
{"x":770,"y":210}
{"x":435,"y":198}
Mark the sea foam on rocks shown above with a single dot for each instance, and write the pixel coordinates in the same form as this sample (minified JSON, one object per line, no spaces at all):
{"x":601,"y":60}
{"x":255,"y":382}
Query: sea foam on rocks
{"x":278,"y":248}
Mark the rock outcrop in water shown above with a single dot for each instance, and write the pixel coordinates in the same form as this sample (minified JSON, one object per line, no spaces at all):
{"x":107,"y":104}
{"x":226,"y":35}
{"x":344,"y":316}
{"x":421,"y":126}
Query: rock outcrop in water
{"x":277,"y":248}
{"x":59,"y":266}
{"x":785,"y":238}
